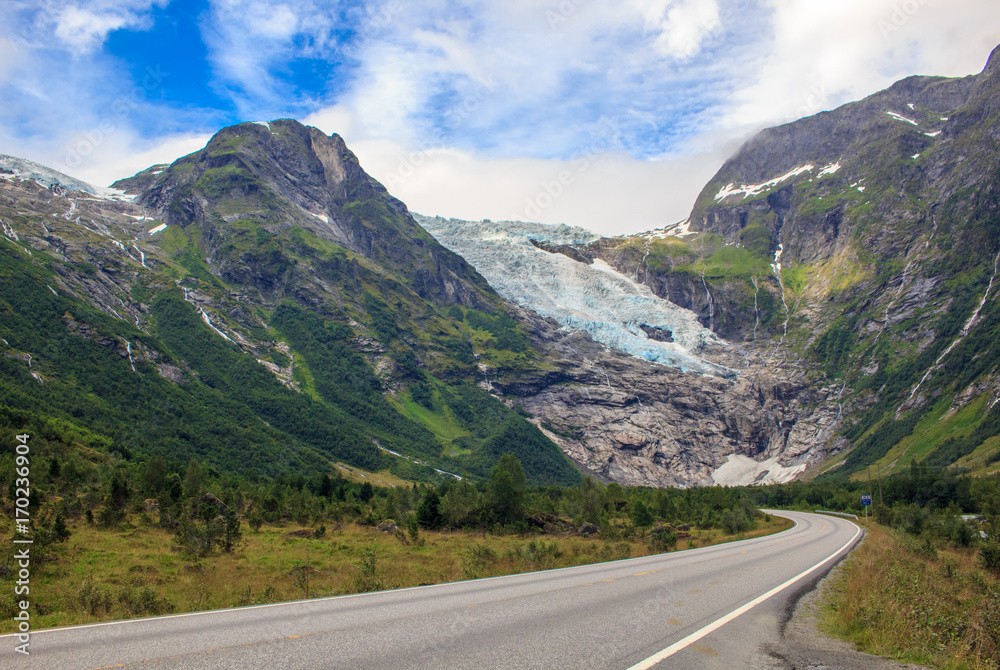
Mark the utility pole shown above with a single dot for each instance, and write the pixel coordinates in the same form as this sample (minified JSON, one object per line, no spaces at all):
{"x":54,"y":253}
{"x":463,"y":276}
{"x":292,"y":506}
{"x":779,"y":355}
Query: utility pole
{"x":879,"y":471}
{"x":869,"y":471}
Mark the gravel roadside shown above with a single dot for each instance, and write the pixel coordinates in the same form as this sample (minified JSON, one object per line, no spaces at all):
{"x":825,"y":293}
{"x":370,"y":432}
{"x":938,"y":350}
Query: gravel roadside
{"x":803,"y":645}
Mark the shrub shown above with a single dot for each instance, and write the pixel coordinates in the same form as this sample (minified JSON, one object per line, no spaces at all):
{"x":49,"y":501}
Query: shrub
{"x":663,"y":539}
{"x":367,"y":577}
{"x":735,"y":521}
{"x":989,"y":555}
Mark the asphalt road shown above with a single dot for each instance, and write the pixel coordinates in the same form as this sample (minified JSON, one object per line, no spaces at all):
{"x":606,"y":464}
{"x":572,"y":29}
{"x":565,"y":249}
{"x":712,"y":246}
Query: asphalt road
{"x":720,"y":606}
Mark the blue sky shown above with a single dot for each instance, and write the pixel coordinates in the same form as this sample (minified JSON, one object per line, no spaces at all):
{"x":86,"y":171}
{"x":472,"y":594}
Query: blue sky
{"x":609,"y":114}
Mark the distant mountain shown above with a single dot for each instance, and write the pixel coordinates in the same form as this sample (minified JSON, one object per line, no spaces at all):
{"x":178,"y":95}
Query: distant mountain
{"x":856,"y":252}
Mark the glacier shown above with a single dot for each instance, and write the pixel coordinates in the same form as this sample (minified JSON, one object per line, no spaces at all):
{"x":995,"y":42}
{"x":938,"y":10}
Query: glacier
{"x":595,"y":298}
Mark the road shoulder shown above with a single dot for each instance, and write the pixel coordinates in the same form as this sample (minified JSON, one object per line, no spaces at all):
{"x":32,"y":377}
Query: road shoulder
{"x":803,"y":645}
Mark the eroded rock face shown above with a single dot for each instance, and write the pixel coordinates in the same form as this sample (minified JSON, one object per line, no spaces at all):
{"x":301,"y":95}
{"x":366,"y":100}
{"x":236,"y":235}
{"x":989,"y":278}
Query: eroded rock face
{"x":638,"y":423}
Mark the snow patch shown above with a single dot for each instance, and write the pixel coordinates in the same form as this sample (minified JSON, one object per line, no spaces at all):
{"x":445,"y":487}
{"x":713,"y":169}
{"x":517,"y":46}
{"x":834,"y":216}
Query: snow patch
{"x":934,"y":134}
{"x":829,"y":169}
{"x":9,"y":231}
{"x":322,"y":217}
{"x":861,"y":189}
{"x":263,"y":123}
{"x":944,"y":118}
{"x":910,"y":105}
{"x":900,"y":117}
{"x":915,"y":156}
{"x":159,"y":229}
{"x":114,"y":194}
{"x":756,"y":189}
{"x":678,"y":229}
{"x":739,"y":470}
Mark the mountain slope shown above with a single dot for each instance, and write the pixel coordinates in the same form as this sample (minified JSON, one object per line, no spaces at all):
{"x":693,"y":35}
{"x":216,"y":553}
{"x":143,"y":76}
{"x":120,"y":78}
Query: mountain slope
{"x":862,"y":244}
{"x":261,"y":303}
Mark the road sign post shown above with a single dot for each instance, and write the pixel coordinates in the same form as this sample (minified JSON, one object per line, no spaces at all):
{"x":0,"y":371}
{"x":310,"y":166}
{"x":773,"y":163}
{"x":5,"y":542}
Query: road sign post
{"x":866,"y":500}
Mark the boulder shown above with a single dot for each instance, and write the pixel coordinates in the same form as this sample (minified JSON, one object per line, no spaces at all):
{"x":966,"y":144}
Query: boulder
{"x":388,"y":526}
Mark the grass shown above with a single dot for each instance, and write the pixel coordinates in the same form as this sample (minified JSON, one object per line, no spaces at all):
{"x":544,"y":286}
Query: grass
{"x":442,"y":422}
{"x":898,"y":597}
{"x":937,"y":426}
{"x":134,"y":571}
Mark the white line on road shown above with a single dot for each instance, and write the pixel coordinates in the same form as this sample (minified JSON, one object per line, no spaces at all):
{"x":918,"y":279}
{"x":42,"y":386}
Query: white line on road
{"x":719,"y":623}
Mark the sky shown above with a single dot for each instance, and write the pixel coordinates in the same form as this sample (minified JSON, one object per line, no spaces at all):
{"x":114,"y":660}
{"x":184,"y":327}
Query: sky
{"x":606,"y":114}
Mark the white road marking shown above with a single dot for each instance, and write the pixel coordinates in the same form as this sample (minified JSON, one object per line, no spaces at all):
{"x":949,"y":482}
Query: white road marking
{"x":719,"y":623}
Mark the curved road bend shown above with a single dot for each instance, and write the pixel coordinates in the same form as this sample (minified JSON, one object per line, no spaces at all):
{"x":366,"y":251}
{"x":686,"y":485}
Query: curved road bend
{"x":716,"y":607}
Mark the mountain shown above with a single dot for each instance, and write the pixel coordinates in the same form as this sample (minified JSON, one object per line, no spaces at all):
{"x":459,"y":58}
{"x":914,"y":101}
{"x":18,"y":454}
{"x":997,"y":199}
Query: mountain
{"x":264,"y":304}
{"x":260,"y":304}
{"x":854,"y":254}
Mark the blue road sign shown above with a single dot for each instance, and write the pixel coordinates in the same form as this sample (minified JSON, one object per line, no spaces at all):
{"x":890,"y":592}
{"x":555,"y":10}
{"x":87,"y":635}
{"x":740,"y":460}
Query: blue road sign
{"x":866,"y":499}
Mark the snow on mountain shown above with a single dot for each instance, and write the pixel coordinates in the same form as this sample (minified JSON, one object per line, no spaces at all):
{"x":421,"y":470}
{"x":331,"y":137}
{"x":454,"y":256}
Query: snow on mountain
{"x":22,"y":168}
{"x":595,"y":298}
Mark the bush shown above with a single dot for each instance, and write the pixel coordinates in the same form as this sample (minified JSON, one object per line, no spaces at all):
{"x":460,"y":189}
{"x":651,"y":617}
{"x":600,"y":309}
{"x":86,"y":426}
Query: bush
{"x":367,"y":577}
{"x":735,"y":521}
{"x":110,"y":517}
{"x":663,"y":539}
{"x":94,"y":599}
{"x":989,"y":555}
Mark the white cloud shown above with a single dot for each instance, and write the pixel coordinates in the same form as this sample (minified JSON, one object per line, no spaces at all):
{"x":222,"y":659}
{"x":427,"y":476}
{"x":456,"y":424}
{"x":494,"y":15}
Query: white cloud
{"x":822,"y":55}
{"x":251,"y":43}
{"x":78,"y":27}
{"x":681,"y":25}
{"x":608,"y":192}
{"x":495,"y":99}
{"x":130,"y":154}
{"x":804,"y":57}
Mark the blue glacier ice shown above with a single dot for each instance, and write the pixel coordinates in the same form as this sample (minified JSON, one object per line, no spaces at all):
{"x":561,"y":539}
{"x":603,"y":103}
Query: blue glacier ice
{"x":595,"y":298}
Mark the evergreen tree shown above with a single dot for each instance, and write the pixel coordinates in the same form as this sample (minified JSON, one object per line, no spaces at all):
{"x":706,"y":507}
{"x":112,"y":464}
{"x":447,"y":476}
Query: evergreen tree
{"x":505,"y":493}
{"x":429,"y":510}
{"x":641,"y":516}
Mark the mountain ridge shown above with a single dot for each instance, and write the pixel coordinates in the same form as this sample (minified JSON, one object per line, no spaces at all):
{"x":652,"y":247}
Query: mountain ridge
{"x":847,"y":260}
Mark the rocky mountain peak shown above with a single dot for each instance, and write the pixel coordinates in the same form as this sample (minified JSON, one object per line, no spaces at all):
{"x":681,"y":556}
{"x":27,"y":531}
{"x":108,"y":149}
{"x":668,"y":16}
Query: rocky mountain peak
{"x":258,"y":183}
{"x":993,"y":63}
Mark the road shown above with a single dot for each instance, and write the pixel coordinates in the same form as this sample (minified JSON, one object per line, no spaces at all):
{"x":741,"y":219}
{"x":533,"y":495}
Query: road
{"x":716,"y":607}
